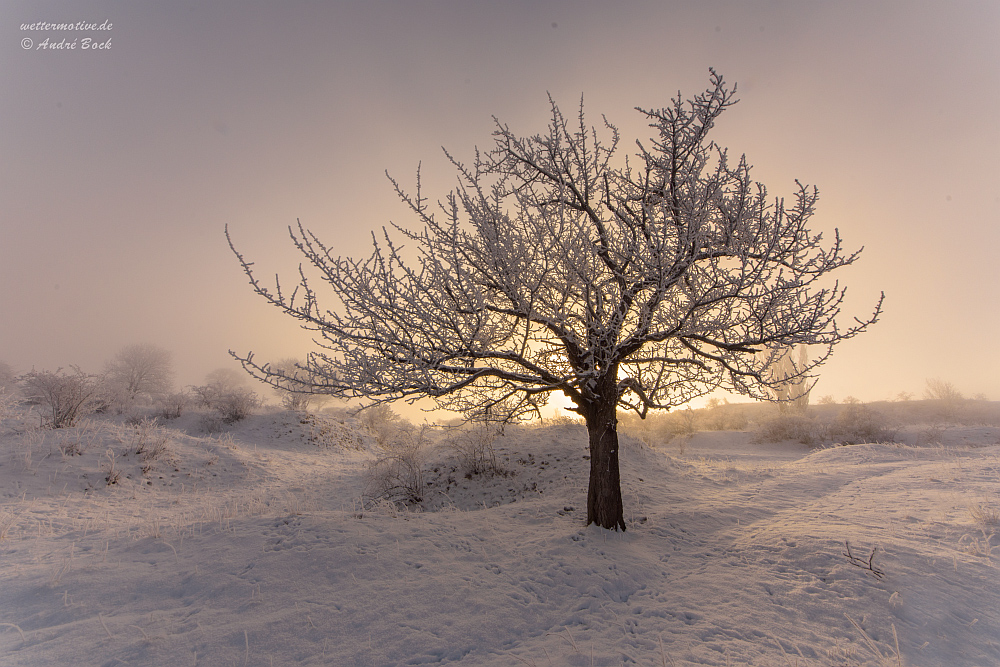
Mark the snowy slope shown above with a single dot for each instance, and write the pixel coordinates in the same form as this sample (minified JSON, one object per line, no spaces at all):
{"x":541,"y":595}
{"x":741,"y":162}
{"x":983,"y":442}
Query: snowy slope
{"x":253,"y":547}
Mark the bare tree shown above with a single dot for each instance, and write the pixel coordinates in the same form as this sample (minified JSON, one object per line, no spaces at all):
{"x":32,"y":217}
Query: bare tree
{"x":942,"y":391}
{"x":141,"y":368}
{"x":637,"y":283}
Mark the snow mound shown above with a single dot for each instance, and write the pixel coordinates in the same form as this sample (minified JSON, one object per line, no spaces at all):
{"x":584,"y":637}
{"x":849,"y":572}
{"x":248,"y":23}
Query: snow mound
{"x":735,"y":553}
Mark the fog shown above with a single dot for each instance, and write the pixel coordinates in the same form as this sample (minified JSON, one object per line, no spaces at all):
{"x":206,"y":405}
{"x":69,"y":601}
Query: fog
{"x":122,"y":166}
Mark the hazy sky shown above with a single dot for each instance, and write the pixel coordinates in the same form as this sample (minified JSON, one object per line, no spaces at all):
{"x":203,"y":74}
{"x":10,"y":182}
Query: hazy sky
{"x":121,"y":166}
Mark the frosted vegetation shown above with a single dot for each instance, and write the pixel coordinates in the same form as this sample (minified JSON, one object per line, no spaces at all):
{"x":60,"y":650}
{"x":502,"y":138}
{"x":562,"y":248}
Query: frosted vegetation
{"x":172,"y":532}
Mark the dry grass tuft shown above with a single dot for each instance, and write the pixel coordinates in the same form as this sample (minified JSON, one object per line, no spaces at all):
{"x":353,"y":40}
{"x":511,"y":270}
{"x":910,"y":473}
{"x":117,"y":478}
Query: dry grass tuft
{"x":984,"y":515}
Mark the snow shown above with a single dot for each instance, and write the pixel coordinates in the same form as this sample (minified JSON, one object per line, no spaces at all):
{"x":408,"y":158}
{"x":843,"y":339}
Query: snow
{"x":252,"y":546}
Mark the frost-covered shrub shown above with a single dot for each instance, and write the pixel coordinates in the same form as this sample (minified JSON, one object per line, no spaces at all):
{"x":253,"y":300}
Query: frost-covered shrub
{"x":297,"y":402}
{"x":218,"y":384}
{"x":292,"y":376}
{"x":787,"y":426}
{"x":63,"y":397}
{"x":8,"y":403}
{"x":226,"y":392}
{"x":857,"y":423}
{"x":657,"y":429}
{"x":474,"y":444}
{"x":110,"y":399}
{"x":397,"y":473}
{"x":724,"y":416}
{"x":143,"y":437}
{"x":333,"y":428}
{"x":556,"y":420}
{"x":984,"y":514}
{"x":237,"y":405}
{"x":173,"y":405}
{"x":381,"y":422}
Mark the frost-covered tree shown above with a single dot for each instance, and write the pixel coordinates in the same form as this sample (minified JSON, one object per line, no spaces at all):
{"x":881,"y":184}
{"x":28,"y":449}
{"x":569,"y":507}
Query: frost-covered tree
{"x":792,"y":389}
{"x":137,"y":369}
{"x":943,"y":391}
{"x":632,"y":283}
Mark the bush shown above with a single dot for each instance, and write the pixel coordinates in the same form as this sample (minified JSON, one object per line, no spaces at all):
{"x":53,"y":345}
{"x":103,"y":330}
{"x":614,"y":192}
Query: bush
{"x":857,"y":423}
{"x":381,"y":422}
{"x":218,"y":384}
{"x":291,"y":398}
{"x":65,"y":396}
{"x":397,"y":474}
{"x":297,"y":402}
{"x":144,"y":438}
{"x":237,"y":405}
{"x":173,"y":405}
{"x":474,"y":445}
{"x":227,"y":394}
{"x":786,"y":426}
{"x":854,"y":424}
{"x":8,"y":403}
{"x":659,"y":428}
{"x":724,"y":416}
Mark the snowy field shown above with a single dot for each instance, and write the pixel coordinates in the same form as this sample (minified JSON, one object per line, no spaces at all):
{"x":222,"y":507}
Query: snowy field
{"x":252,"y":546}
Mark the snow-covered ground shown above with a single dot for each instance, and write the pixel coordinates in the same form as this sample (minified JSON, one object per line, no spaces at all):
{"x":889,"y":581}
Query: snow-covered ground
{"x":252,"y":546}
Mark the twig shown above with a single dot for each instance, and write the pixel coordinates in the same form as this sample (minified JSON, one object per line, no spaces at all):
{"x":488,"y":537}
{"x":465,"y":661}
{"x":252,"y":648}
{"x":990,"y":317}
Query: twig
{"x":860,"y":562}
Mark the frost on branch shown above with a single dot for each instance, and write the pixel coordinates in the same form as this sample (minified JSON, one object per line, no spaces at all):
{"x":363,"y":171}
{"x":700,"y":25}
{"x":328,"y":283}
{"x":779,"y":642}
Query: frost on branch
{"x":557,"y":264}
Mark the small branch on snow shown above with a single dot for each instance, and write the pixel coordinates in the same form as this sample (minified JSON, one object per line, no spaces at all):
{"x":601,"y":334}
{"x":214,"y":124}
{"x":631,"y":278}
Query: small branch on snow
{"x":862,"y":563}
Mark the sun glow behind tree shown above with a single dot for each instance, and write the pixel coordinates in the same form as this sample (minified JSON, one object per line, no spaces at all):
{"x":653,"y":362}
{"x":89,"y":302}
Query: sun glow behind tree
{"x":553,"y":267}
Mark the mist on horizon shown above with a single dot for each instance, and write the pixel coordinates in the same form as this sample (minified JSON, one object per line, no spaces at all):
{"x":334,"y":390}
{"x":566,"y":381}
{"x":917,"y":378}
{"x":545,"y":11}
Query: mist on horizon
{"x":123,"y":166}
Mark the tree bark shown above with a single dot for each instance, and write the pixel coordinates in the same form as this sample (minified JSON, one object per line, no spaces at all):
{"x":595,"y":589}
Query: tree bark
{"x":604,"y":495}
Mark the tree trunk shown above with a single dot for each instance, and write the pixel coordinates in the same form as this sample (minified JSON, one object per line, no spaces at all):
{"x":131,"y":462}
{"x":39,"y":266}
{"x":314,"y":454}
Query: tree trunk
{"x":604,"y":495}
